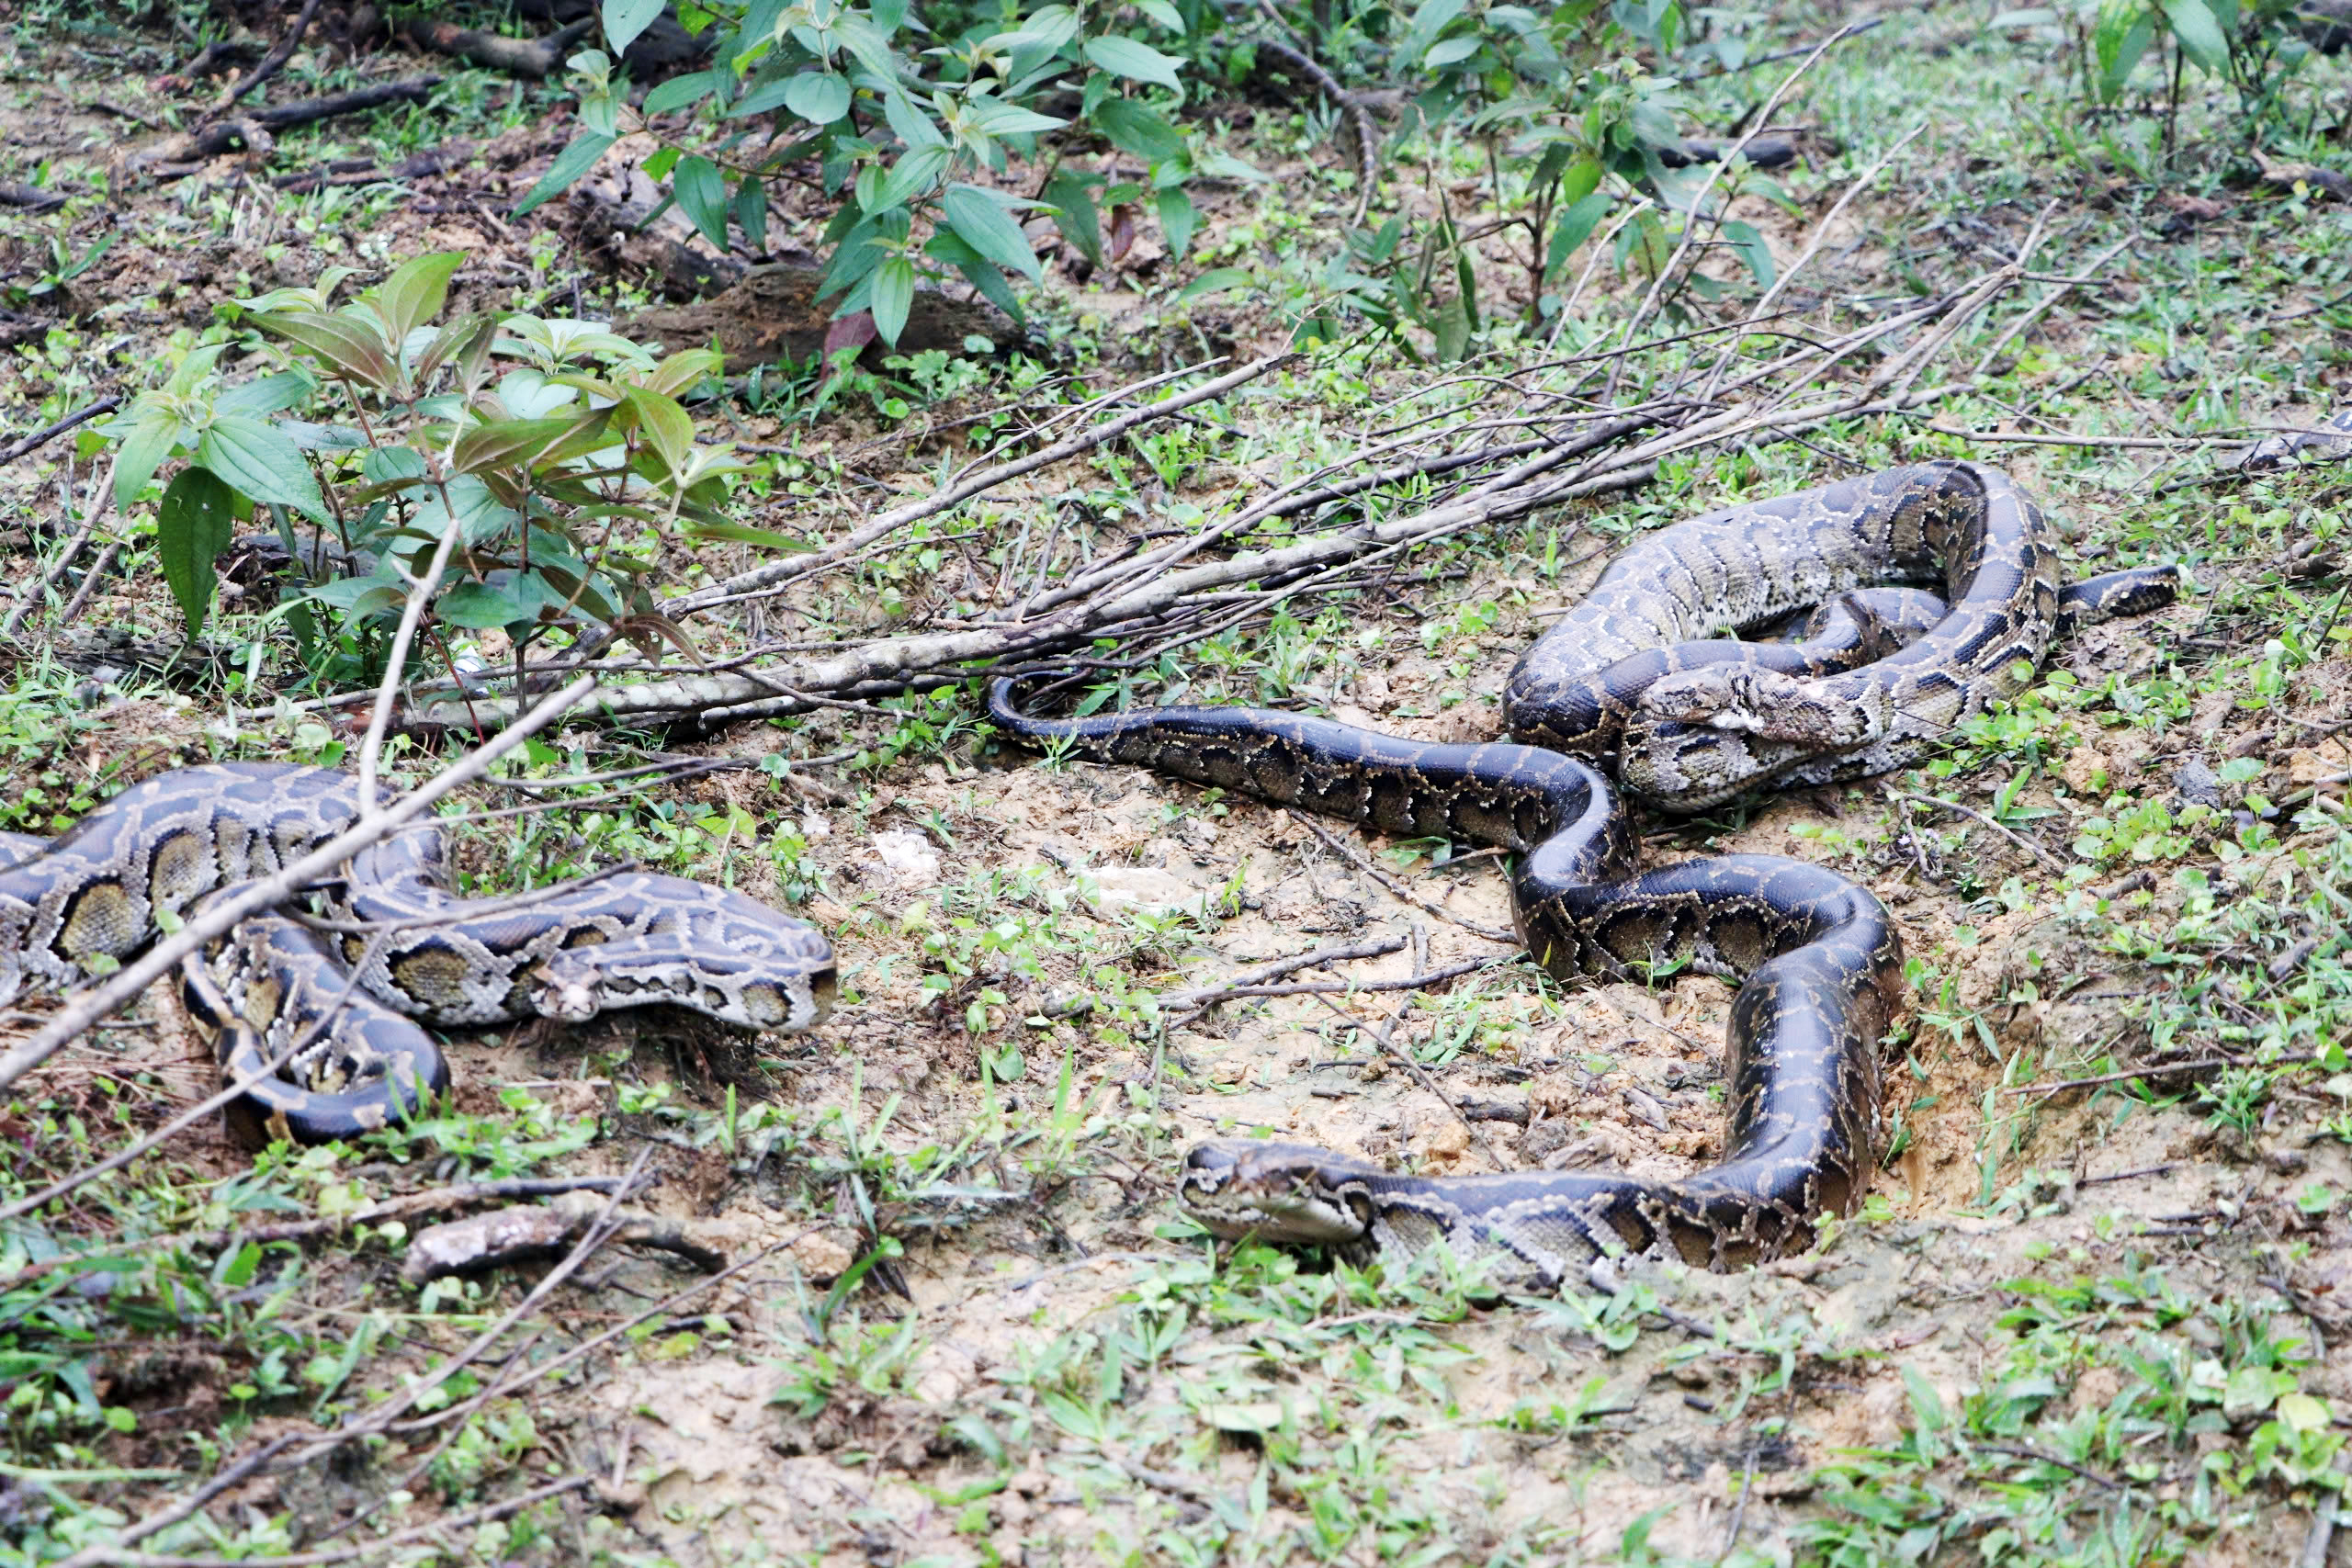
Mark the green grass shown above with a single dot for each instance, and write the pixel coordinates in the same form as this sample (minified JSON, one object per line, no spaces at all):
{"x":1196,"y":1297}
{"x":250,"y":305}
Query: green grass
{"x":2038,"y":1368}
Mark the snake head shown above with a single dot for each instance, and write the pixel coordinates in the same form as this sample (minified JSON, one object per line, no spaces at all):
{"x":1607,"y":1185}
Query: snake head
{"x":1291,"y":1194}
{"x":1762,"y":702}
{"x":572,"y":992}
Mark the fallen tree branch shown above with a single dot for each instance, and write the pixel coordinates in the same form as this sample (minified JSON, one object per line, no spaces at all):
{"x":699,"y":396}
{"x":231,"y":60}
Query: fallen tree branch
{"x":533,"y":1232}
{"x":271,"y":63}
{"x":534,"y":58}
{"x":48,"y":432}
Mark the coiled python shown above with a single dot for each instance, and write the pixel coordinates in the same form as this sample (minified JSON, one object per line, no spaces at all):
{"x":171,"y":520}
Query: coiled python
{"x":403,"y":948}
{"x":1817,"y":959}
{"x":1637,"y":676}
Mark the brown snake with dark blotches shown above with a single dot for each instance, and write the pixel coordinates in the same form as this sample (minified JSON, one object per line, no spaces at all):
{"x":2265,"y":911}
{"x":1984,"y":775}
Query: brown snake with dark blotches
{"x":1688,"y":722}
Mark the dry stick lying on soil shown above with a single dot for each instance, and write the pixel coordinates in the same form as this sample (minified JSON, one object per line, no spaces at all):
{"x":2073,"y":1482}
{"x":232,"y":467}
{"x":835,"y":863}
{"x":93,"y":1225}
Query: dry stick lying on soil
{"x":1363,"y":862}
{"x":885,"y":665}
{"x":251,"y":131}
{"x":1202,"y":999}
{"x":2165,"y":1069}
{"x":116,"y":1556}
{"x":1382,"y":1035}
{"x":272,"y":62}
{"x":2020,"y":840}
{"x":532,"y":1232}
{"x":533,"y":58}
{"x":101,"y":503}
{"x":972,"y":484}
{"x":48,"y":432}
{"x":438,"y":1200}
{"x":1340,"y":987}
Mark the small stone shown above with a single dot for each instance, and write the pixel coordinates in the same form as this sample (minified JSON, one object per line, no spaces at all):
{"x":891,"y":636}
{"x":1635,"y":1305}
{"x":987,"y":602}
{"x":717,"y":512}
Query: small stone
{"x":1448,"y":1140}
{"x":907,"y":856}
{"x":2307,"y":766}
{"x":2198,"y":784}
{"x":821,"y":1257}
{"x":1146,"y":887}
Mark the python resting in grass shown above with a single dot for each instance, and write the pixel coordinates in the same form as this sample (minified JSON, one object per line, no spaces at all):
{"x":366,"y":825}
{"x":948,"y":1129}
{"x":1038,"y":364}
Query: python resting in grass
{"x":398,"y":947}
{"x":1638,"y":680}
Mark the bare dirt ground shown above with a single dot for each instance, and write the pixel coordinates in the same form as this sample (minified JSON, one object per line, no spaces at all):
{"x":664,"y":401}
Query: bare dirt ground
{"x":2089,"y":1315}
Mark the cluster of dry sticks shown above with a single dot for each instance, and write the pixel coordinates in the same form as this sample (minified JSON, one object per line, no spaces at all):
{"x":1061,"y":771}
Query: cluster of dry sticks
{"x":1501,"y":447}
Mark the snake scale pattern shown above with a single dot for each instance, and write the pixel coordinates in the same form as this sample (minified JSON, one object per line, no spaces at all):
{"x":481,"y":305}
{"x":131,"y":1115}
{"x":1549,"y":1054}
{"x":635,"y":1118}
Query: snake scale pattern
{"x":1638,"y":680}
{"x":398,"y":949}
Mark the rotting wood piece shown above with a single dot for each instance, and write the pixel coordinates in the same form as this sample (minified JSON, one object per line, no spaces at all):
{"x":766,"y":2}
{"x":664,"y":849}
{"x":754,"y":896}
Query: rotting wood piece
{"x":534,"y":58}
{"x":533,"y":1232}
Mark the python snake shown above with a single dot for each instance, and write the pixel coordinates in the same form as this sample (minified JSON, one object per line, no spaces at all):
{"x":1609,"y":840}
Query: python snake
{"x":1817,"y":957}
{"x":399,"y":946}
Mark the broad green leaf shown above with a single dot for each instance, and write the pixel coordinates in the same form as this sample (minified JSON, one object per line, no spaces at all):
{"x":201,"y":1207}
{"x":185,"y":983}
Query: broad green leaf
{"x":1429,"y":21}
{"x":507,"y":441}
{"x":894,"y":296}
{"x":701,"y":191}
{"x":744,"y":533}
{"x":359,"y":597}
{"x":482,"y":518}
{"x":2302,"y":1413}
{"x":192,"y":527}
{"x":571,"y":164}
{"x":751,"y":209}
{"x":683,"y":371}
{"x":270,"y":394}
{"x":352,"y":346}
{"x":1167,"y":16}
{"x":455,"y":338}
{"x":2119,"y":37}
{"x":2200,"y":35}
{"x":669,"y":429}
{"x":679,"y":91}
{"x":1177,"y":220}
{"x":625,"y":19}
{"x":414,"y":293}
{"x":1075,"y":214}
{"x":819,"y":98}
{"x":510,"y":598}
{"x":1134,"y":128}
{"x":1135,"y":62}
{"x":1581,"y":180}
{"x":1743,"y":238}
{"x":152,"y":438}
{"x":194,"y":369}
{"x":260,"y":464}
{"x":983,"y":224}
{"x":1451,"y":50}
{"x":999,"y":119}
{"x":768,"y":94}
{"x":1217,"y":280}
{"x":908,"y":123}
{"x":871,"y":46}
{"x":916,"y":171}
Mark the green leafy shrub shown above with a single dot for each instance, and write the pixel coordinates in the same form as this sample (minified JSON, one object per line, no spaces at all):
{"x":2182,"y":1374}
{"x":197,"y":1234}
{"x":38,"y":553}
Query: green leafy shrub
{"x":2255,"y":47}
{"x":1575,"y":121}
{"x":543,"y":458}
{"x":895,"y":110}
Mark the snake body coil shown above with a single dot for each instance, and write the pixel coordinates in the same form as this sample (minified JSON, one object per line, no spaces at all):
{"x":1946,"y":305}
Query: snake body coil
{"x":1687,"y":722}
{"x":406,"y":948}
